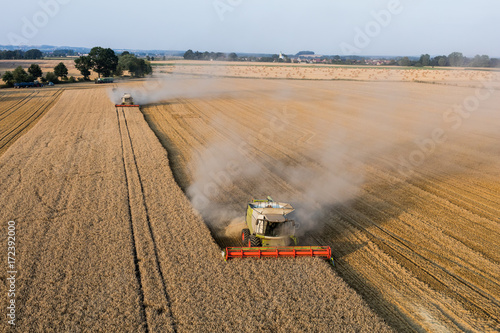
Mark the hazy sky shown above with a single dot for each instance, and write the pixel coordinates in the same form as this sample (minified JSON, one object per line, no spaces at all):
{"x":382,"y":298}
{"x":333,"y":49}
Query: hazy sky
{"x":404,"y":27}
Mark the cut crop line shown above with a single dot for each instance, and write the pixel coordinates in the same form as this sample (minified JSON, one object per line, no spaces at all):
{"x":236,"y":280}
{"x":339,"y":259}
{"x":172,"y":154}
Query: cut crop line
{"x":133,"y":238}
{"x":16,"y":105}
{"x":410,"y":246}
{"x":42,"y":107}
{"x":28,"y":121}
{"x":454,"y":192}
{"x":463,"y":299}
{"x":148,"y":223}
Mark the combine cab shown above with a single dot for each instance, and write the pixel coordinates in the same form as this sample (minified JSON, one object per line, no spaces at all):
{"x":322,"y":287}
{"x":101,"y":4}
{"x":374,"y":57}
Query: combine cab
{"x":127,"y":101}
{"x":270,"y":232}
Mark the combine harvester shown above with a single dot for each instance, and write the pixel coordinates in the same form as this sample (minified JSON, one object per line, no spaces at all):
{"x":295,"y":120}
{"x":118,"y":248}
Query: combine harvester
{"x":127,"y":101}
{"x":271,"y":234}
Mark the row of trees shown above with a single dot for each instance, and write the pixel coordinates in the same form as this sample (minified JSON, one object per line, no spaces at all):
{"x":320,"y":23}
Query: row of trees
{"x":105,"y":62}
{"x":18,"y":54}
{"x":102,"y":61}
{"x":135,"y":66}
{"x":190,"y":55}
{"x":62,"y":53}
{"x":455,"y":59}
{"x":34,"y":72}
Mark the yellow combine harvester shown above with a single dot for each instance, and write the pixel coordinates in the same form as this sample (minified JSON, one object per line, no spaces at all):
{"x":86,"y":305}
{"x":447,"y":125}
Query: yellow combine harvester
{"x":127,"y":101}
{"x":270,"y":232}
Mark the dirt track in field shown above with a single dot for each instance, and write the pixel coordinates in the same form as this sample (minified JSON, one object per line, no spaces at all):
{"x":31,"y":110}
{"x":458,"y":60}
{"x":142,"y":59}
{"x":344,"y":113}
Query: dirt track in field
{"x":418,"y":241}
{"x":107,"y":241}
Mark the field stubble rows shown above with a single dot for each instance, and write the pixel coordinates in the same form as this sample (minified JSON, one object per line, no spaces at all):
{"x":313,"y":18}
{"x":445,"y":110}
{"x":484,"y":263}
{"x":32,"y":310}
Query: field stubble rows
{"x":107,"y":241}
{"x":20,"y":110}
{"x":421,"y":249}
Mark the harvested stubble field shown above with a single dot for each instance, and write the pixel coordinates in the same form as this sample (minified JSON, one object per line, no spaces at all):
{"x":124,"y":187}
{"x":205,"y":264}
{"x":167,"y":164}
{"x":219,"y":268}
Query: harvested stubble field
{"x":47,"y":65}
{"x":20,"y":110}
{"x":107,"y":241}
{"x":418,"y":240}
{"x":439,"y":75}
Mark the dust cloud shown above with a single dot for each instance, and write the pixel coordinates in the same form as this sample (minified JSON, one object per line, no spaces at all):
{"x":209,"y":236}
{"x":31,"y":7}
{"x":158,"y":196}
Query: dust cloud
{"x":163,"y":87}
{"x":231,"y":169}
{"x":227,"y":174}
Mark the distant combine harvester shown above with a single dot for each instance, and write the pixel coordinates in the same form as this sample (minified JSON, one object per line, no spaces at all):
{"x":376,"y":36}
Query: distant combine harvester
{"x":127,"y":101}
{"x":104,"y":80}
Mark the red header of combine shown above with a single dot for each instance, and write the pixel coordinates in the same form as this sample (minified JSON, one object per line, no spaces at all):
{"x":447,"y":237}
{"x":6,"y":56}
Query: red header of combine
{"x":324,"y":252}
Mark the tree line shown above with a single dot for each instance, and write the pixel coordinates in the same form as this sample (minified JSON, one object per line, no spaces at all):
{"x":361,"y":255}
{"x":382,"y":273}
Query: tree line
{"x":105,"y":62}
{"x":454,"y":59}
{"x":18,"y":54}
{"x":34,"y":54}
{"x":102,"y":61}
{"x":34,"y":72}
{"x":61,"y":53}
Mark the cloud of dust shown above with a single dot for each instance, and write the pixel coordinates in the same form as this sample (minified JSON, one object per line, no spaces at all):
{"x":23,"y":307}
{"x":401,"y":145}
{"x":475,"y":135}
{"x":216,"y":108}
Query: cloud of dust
{"x":162,"y":87}
{"x":226,"y":174}
{"x":219,"y":172}
{"x":336,"y":178}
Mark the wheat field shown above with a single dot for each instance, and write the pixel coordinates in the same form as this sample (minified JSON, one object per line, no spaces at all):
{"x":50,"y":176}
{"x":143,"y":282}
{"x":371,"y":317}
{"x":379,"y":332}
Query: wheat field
{"x":107,"y":240}
{"x":412,"y":221}
{"x":122,"y":213}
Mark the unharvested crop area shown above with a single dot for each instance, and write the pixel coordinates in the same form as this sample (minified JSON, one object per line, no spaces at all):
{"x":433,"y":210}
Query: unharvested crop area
{"x":401,"y":179}
{"x":107,"y":241}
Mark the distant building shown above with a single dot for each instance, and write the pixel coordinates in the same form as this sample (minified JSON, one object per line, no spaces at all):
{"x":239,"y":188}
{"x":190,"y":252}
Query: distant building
{"x":377,"y":62}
